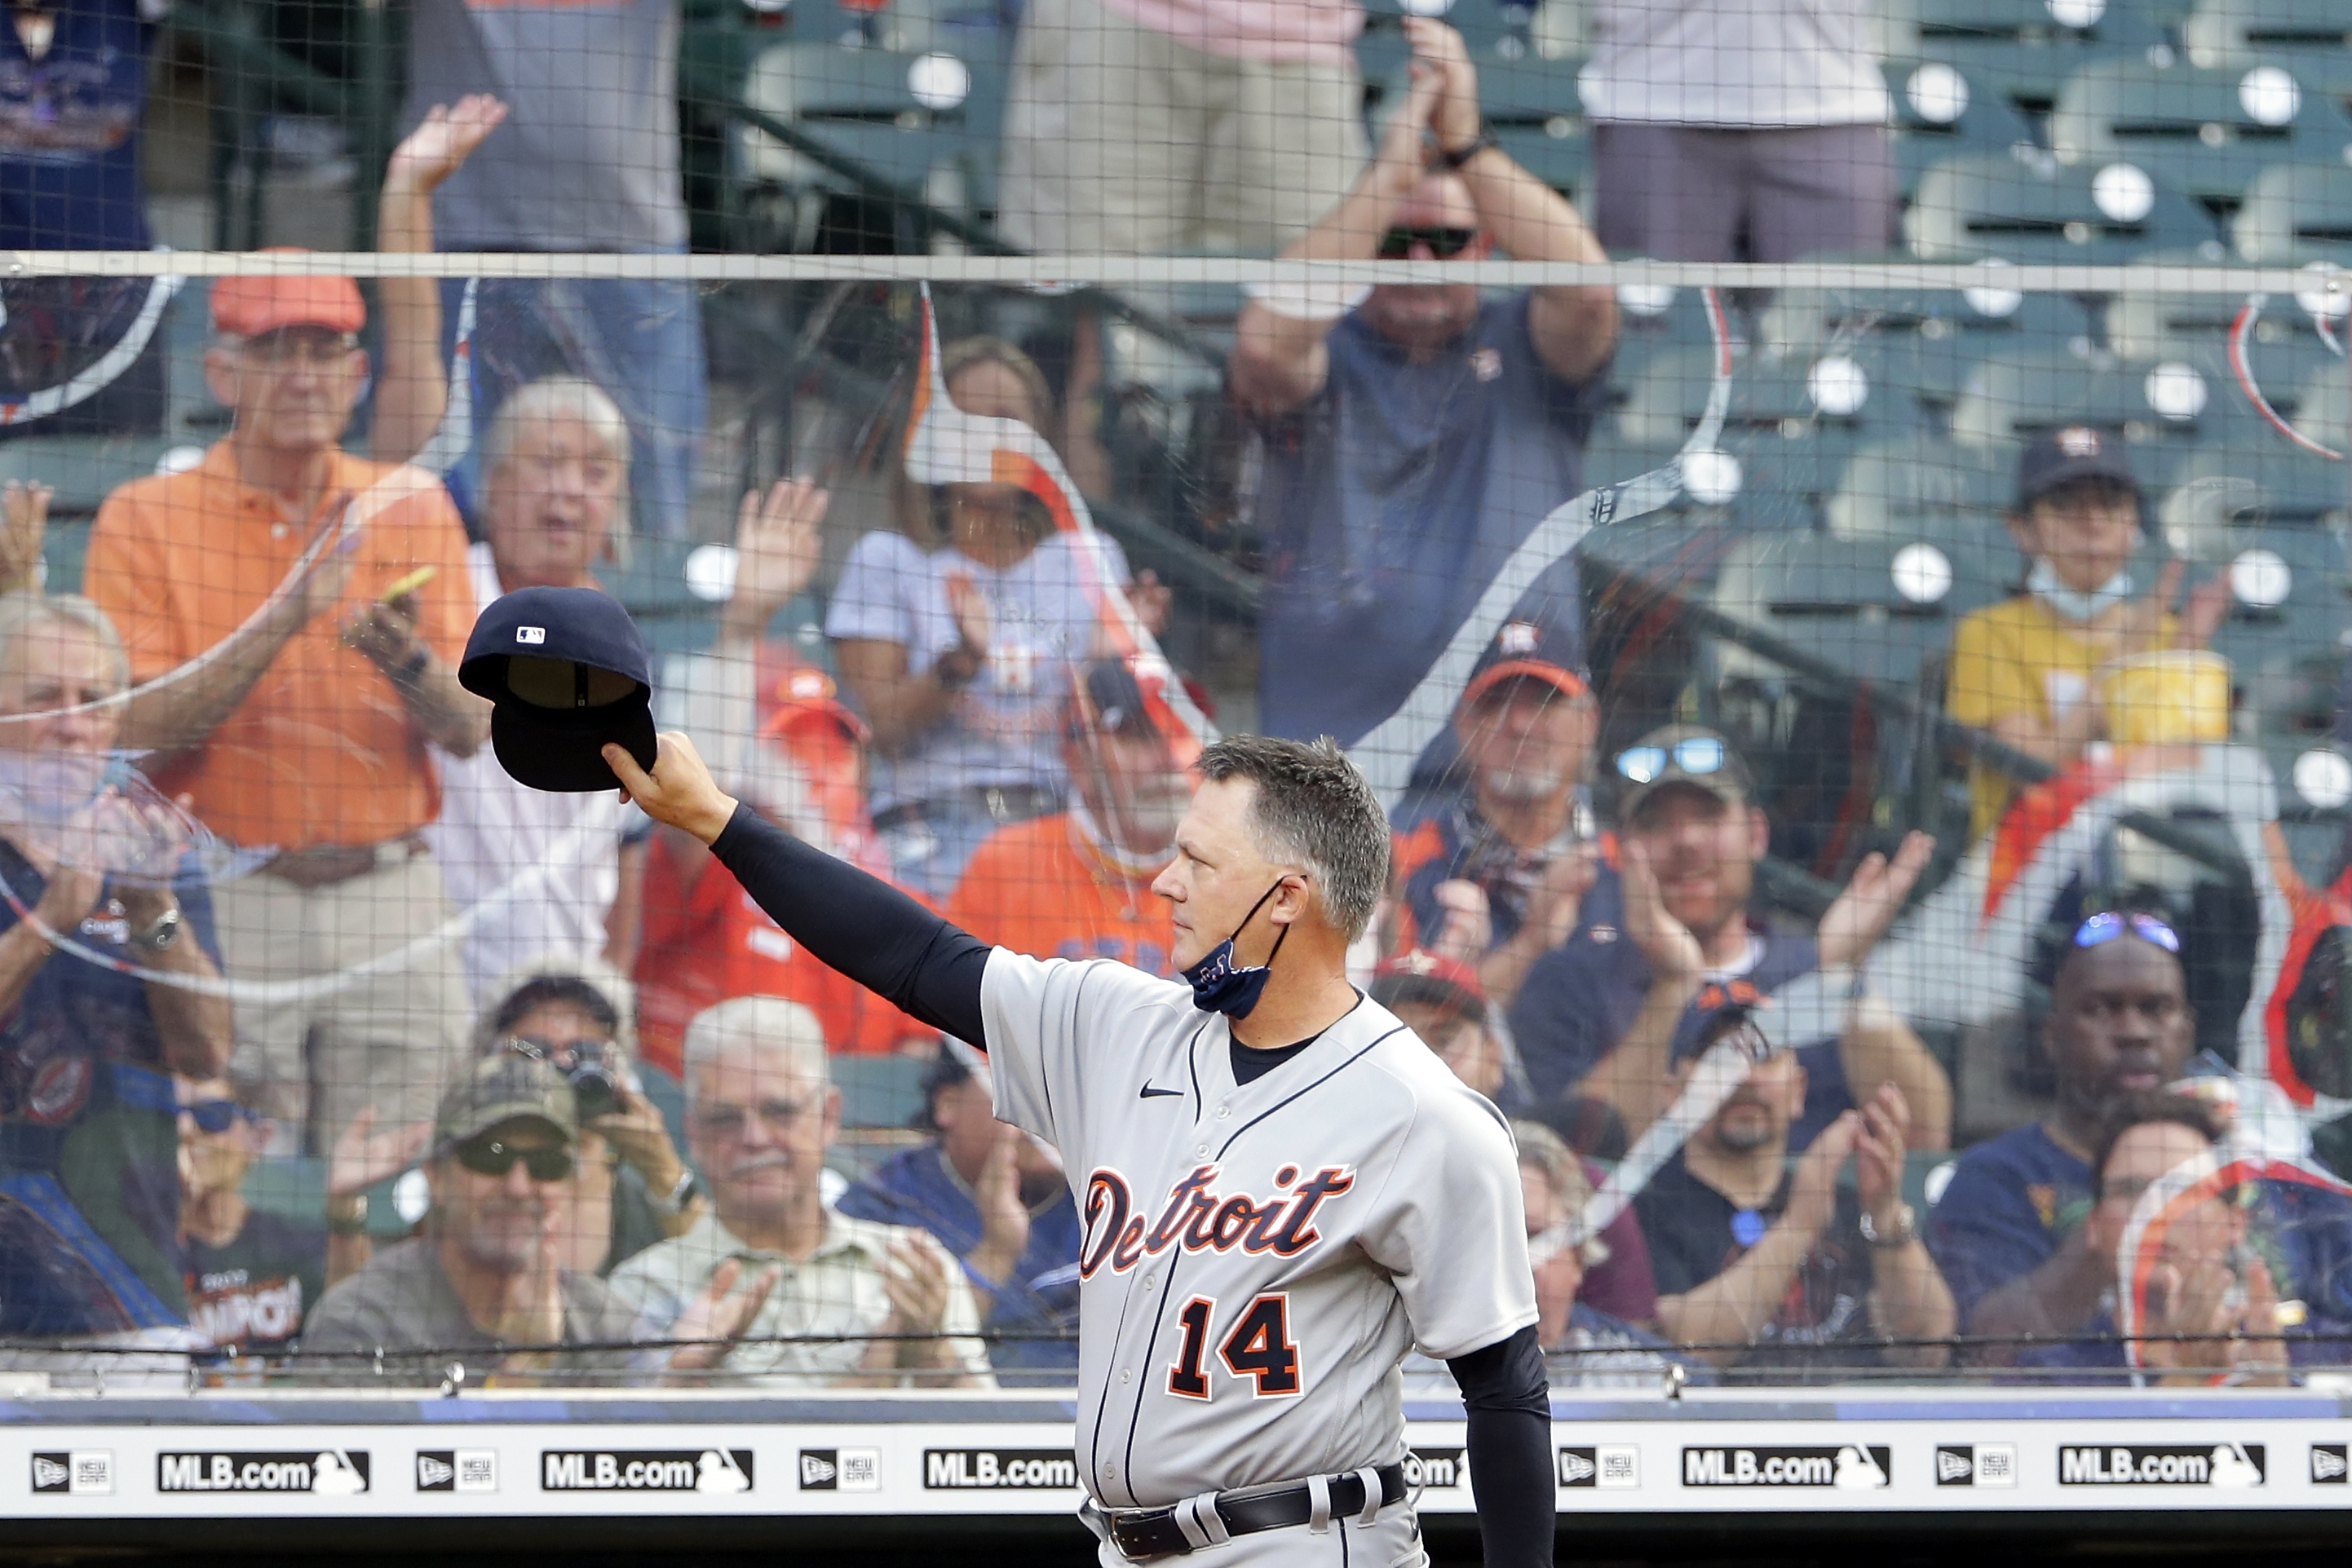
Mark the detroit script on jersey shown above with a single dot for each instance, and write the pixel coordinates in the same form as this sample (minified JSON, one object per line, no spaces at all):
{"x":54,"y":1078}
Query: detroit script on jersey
{"x":1257,"y":1257}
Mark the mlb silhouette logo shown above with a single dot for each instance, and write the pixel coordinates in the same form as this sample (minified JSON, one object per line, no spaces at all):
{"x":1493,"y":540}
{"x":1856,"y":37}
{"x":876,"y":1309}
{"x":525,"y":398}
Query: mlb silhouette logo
{"x":531,"y":634}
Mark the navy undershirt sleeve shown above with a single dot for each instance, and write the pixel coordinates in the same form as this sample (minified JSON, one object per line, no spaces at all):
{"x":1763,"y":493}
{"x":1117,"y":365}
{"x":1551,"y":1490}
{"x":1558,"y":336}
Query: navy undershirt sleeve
{"x":860,"y":925}
{"x":1507,"y":1395}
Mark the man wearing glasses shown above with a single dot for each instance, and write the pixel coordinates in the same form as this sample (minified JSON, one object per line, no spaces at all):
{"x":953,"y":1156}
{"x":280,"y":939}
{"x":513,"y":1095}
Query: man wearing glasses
{"x":760,"y":1110}
{"x":1597,"y":1017}
{"x":312,"y":606}
{"x":485,"y":1283}
{"x":2009,"y":1231}
{"x":1414,"y":435}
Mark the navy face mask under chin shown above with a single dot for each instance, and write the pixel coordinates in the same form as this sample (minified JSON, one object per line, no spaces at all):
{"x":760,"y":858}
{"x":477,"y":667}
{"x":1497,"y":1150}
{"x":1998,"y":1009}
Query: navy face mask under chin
{"x":1218,"y":987}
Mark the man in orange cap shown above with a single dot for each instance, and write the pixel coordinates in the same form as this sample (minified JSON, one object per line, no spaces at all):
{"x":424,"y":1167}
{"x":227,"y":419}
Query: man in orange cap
{"x":1511,"y":869}
{"x":309,"y":608}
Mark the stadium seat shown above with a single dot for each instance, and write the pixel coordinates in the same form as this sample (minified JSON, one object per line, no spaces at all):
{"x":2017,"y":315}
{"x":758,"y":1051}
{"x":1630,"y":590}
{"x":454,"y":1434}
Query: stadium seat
{"x":1940,"y":111}
{"x":1927,"y":340}
{"x":2019,"y":48}
{"x":2034,"y":208}
{"x":2296,"y":212}
{"x":905,"y":116}
{"x":2323,"y":407}
{"x":2225,"y":32}
{"x":82,"y":470}
{"x":2206,"y":132}
{"x":879,"y":1091}
{"x":1794,"y":397}
{"x":2242,"y":485}
{"x":2005,"y":401}
{"x":1874,"y":608}
{"x":1531,"y":105}
{"x":2283,"y":649}
{"x":1905,"y":489}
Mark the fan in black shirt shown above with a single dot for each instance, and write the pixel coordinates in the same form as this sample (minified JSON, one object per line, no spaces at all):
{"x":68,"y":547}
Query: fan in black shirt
{"x":1780,"y":1268}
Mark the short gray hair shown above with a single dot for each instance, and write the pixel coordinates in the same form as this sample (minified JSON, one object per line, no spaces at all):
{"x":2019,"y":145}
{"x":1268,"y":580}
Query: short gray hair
{"x":556,"y":397}
{"x":757,"y":1023}
{"x":22,"y":613}
{"x":1312,"y":806}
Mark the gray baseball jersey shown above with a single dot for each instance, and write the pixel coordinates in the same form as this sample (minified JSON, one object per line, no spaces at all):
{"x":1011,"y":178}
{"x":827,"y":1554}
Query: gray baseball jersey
{"x":1259,"y":1257}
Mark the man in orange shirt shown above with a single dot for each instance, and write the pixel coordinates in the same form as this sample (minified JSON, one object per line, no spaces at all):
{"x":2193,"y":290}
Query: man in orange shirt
{"x":1078,"y":885}
{"x":294,"y":617}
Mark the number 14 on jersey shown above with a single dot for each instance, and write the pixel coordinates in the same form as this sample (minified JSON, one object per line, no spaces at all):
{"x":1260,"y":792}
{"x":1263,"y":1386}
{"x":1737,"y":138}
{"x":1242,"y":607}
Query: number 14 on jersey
{"x":1257,"y":1346}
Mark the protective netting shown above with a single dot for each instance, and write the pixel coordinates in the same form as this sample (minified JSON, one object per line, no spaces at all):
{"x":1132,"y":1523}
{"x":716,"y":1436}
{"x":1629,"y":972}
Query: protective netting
{"x":1854,"y":679}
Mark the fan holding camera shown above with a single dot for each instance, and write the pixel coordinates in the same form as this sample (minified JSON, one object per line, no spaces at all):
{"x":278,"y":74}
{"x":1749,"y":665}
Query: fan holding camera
{"x":631,"y":1186}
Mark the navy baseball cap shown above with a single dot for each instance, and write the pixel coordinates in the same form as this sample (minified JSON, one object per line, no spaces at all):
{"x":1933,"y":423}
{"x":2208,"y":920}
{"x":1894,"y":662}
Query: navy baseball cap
{"x":566,"y":671}
{"x":1109,"y":700}
{"x":1541,"y":650}
{"x":1721,"y":1007}
{"x":2071,"y":452}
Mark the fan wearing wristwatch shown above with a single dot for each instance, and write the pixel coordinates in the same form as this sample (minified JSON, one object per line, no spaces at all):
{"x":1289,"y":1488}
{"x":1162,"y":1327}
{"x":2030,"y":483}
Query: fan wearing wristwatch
{"x":1775,"y":1270}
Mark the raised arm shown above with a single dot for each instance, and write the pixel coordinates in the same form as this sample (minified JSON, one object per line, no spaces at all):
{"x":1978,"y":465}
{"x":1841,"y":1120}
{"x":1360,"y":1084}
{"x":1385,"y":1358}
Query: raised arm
{"x":1574,"y":326}
{"x":413,"y":393}
{"x":1280,"y":360}
{"x":848,"y":920}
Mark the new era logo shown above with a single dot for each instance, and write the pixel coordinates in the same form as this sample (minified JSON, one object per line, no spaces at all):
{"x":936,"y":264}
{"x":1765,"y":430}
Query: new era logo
{"x":2330,"y":1465}
{"x":49,"y":1475}
{"x":530,"y":634}
{"x":433,"y":1473}
{"x":1953,"y":1466}
{"x":89,"y":1473}
{"x":818,"y":1470}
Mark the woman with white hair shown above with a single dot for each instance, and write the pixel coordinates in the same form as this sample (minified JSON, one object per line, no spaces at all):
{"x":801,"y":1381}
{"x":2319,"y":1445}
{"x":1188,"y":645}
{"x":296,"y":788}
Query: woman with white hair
{"x":106,"y":944}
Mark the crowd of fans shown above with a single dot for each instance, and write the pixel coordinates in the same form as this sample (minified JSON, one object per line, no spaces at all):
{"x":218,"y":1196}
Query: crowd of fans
{"x":272,"y":904}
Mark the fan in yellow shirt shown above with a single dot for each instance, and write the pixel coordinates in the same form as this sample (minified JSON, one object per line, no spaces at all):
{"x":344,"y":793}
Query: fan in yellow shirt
{"x":2027,"y":668}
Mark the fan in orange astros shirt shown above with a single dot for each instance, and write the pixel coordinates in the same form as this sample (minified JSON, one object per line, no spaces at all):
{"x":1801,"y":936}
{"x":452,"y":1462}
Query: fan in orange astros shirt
{"x":1077,"y":884}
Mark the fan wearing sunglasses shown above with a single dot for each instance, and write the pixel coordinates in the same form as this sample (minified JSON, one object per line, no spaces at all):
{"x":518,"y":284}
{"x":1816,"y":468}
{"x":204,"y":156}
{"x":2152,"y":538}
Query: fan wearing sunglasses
{"x":251,"y":1274}
{"x":2009,"y":1233}
{"x":486,"y":1279}
{"x":1414,"y":435}
{"x":1596,"y":1018}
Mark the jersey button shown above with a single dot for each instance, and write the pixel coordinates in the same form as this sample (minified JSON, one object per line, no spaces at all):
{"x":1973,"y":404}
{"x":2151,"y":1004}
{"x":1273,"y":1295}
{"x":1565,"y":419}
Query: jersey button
{"x":1124,"y":1375}
{"x":1223,"y":1112}
{"x":1202,"y":1152}
{"x":1110,"y":1470}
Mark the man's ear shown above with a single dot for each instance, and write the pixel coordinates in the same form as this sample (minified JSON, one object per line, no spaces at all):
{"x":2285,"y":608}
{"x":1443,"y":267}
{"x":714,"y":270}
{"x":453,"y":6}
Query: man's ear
{"x":1290,"y":903}
{"x":1759,"y":833}
{"x":220,"y":375}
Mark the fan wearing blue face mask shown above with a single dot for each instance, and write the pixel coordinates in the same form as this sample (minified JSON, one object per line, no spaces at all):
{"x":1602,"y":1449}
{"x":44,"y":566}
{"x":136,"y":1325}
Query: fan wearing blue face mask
{"x":2027,"y":669}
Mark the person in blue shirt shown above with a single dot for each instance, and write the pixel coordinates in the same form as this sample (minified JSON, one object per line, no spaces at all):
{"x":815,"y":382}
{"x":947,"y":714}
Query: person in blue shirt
{"x":2229,"y":1298}
{"x":101,"y":970}
{"x":1596,"y":1017}
{"x":1412,"y":439}
{"x":996,"y":1198}
{"x":2008,"y":1231}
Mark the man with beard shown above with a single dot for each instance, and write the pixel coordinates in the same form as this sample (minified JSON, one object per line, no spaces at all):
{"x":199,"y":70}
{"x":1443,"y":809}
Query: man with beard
{"x":1781,"y":1269}
{"x":484,"y":1280}
{"x":2009,"y":1230}
{"x":1507,"y":872}
{"x":1595,"y":1020}
{"x":1077,"y":884}
{"x":853,"y":1303}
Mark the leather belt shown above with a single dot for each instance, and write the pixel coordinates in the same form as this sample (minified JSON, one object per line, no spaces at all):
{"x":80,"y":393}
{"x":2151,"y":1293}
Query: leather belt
{"x":323,"y":866}
{"x":1215,"y":1518}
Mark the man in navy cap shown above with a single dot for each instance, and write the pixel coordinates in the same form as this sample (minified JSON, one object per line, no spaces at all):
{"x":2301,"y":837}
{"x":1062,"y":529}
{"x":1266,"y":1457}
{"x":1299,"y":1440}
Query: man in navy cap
{"x":2026,"y":668}
{"x":1507,"y":871}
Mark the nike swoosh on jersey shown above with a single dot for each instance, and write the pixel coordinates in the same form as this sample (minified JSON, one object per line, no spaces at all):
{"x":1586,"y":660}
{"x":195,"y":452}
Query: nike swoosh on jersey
{"x":1151,"y":1093}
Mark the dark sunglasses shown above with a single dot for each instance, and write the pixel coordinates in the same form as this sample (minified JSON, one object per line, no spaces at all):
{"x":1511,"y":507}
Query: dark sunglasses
{"x":1698,"y":754}
{"x":216,"y":1116}
{"x":2101,"y":929}
{"x":494,"y":1157}
{"x":1444,"y":242}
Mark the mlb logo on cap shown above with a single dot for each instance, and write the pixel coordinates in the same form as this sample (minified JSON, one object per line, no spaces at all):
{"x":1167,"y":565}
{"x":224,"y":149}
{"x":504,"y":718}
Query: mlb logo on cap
{"x":588,"y":681}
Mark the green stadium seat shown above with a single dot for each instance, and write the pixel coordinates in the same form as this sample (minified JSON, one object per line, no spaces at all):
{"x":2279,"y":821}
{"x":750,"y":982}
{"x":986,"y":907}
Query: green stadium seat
{"x":879,"y":1091}
{"x":2224,"y":32}
{"x":1905,"y":489}
{"x":1926,"y":341}
{"x":1874,"y":608}
{"x":2020,"y":47}
{"x":2035,"y":209}
{"x":82,"y":469}
{"x":2005,"y":401}
{"x":1772,"y":395}
{"x":2296,"y":212}
{"x":63,"y":552}
{"x":2196,"y":130}
{"x":2323,"y":407}
{"x":2258,"y":484}
{"x":1940,"y":111}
